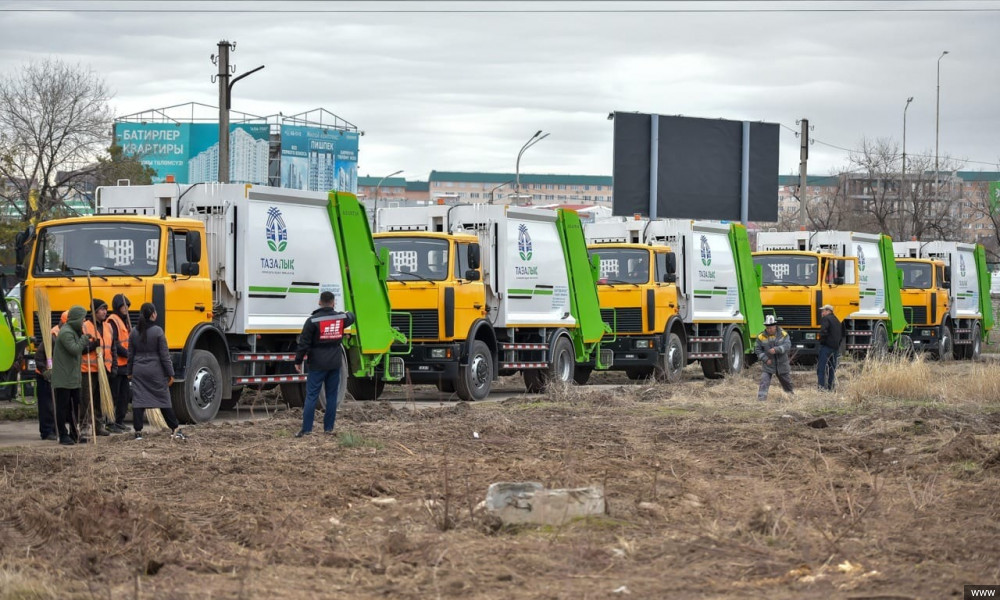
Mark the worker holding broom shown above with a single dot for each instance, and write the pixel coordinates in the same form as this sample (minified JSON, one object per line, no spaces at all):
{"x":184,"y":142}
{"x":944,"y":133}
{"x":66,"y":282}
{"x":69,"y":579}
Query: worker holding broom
{"x":99,"y":331}
{"x":44,"y":396}
{"x":67,"y":377}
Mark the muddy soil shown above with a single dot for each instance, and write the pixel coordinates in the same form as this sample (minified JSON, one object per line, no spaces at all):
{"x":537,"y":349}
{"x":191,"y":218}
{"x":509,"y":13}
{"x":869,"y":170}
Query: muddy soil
{"x":710,"y":494}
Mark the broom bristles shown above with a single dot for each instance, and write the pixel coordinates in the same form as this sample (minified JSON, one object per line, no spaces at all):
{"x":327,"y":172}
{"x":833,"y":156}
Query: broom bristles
{"x":107,"y":401}
{"x":156,"y":419}
{"x":44,"y":318}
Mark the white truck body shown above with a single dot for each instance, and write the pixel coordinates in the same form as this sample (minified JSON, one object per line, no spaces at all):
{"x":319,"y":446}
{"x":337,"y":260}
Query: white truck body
{"x":270,"y":250}
{"x":523,"y":260}
{"x":707,"y":284}
{"x":863,"y":246}
{"x":960,"y":259}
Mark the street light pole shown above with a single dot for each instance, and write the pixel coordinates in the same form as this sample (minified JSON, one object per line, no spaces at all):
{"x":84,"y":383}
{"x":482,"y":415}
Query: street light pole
{"x":517,"y":166}
{"x":902,"y":179}
{"x":378,"y":186}
{"x":937,"y":122}
{"x":492,"y":197}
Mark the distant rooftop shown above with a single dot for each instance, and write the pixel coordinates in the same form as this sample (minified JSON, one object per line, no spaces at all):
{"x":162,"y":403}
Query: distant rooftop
{"x":474,"y":177}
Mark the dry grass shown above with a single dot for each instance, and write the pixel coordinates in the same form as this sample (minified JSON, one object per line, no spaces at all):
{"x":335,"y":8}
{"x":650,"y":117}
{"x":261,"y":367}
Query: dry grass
{"x":17,"y":585}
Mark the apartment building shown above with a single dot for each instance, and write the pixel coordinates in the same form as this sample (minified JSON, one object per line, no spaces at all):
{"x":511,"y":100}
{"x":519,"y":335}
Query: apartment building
{"x":499,"y":188}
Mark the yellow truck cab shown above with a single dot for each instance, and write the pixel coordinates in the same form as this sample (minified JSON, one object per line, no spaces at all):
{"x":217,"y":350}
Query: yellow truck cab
{"x":638,"y":294}
{"x":796,"y":283}
{"x":925,"y":303}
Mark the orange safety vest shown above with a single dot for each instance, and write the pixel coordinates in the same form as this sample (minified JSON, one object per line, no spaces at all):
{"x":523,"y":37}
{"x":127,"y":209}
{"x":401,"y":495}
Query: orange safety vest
{"x":123,"y":332}
{"x":90,"y":361}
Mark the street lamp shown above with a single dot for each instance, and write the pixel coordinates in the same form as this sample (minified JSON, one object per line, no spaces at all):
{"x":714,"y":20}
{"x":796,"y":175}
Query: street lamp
{"x":517,"y":166}
{"x":492,"y":197}
{"x":377,"y":187}
{"x":902,"y":179}
{"x":937,"y":121}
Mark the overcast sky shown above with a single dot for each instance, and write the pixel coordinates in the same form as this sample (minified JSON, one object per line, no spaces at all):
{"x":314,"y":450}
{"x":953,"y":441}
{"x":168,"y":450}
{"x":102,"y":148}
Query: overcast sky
{"x":460,"y":86}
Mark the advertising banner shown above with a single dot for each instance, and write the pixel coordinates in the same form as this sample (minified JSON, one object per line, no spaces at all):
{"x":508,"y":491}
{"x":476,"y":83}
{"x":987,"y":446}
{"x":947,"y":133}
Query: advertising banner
{"x":318,"y":159}
{"x":190,"y":151}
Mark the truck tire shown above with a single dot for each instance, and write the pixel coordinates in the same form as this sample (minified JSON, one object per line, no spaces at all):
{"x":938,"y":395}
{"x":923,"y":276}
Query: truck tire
{"x":974,"y":349}
{"x":230,"y":403}
{"x":673,"y":361}
{"x":734,"y":359}
{"x":294,"y":394}
{"x":582,"y":375}
{"x":365,"y":388}
{"x":476,"y":377}
{"x":561,"y":368}
{"x":198,"y":397}
{"x":710,"y":368}
{"x":879,"y":347}
{"x":946,"y":345}
{"x":445,"y":386}
{"x":639,"y":373}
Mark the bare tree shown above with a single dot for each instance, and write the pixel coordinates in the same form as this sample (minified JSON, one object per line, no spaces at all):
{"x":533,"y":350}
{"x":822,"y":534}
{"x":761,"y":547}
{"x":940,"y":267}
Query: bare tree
{"x":874,"y":180}
{"x":54,"y":121}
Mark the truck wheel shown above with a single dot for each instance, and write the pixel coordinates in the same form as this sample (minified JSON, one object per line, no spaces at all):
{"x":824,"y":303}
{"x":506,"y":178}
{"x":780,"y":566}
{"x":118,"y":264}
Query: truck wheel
{"x":880,"y":342}
{"x":446,"y":386}
{"x":476,"y":377}
{"x":946,"y":345}
{"x":294,"y":394}
{"x":197,"y":398}
{"x":710,"y":368}
{"x":561,"y":368}
{"x":230,"y":403}
{"x":365,"y":388}
{"x":673,"y":361}
{"x":974,"y":348}
{"x":582,"y":375}
{"x":734,"y":358}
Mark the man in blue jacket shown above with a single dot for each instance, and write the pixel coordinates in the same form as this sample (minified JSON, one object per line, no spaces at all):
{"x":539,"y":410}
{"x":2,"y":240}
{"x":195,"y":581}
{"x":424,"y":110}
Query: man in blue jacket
{"x":322,"y":341}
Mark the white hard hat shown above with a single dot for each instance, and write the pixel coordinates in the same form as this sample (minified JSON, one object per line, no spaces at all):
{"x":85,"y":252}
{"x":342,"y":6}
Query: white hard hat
{"x":770,"y":320}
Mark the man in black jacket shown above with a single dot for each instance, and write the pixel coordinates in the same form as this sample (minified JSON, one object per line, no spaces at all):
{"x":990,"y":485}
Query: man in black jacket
{"x":830,"y":334}
{"x":321,"y":339}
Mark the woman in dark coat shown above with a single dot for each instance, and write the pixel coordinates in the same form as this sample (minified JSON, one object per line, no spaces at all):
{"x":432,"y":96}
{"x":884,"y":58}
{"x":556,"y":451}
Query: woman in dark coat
{"x":151,"y":373}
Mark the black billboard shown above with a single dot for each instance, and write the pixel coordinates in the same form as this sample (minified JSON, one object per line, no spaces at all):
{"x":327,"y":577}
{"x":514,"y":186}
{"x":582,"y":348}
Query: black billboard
{"x":699,"y":168}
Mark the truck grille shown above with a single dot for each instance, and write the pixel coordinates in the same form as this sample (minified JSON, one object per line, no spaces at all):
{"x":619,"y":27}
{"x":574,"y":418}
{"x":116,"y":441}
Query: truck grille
{"x":425,"y":323}
{"x":916,"y":314}
{"x":629,"y":319}
{"x":798,"y":315}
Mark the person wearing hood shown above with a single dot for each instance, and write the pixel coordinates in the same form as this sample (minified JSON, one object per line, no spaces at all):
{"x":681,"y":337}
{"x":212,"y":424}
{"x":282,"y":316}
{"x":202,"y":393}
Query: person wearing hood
{"x":116,"y":354}
{"x":44,"y":396}
{"x":151,"y":372}
{"x":97,"y":327}
{"x":66,"y":378}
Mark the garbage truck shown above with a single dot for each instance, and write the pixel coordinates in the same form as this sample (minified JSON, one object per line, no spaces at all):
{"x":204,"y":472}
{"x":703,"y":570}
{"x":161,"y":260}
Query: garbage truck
{"x":946,"y":290}
{"x":853,"y":272}
{"x":482,"y":291}
{"x":233,"y":271}
{"x":704,"y":305}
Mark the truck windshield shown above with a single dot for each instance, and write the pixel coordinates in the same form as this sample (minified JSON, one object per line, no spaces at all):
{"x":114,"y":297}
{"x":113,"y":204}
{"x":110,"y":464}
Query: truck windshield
{"x":916,"y":276}
{"x":787,"y":269}
{"x":103,"y":248}
{"x":415,"y":258}
{"x":622,"y":265}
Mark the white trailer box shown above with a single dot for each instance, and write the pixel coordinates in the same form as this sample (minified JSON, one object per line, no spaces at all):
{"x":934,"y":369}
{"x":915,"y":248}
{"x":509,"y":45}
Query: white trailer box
{"x":960,"y":259}
{"x":268,"y":278}
{"x":707,"y":284}
{"x":523,"y":260}
{"x":863,"y":246}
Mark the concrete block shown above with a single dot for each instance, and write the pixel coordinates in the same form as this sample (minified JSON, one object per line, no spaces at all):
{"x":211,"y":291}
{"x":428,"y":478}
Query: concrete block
{"x":529,"y":502}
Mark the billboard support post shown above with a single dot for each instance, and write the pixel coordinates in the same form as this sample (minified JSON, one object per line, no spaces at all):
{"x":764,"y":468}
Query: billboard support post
{"x":654,"y":159}
{"x":745,"y":176}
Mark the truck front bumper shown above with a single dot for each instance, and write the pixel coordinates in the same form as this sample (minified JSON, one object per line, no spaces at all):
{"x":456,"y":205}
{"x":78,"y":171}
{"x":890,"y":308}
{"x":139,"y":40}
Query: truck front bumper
{"x":804,"y":342}
{"x":925,"y":338}
{"x":431,"y":363}
{"x":631,"y":351}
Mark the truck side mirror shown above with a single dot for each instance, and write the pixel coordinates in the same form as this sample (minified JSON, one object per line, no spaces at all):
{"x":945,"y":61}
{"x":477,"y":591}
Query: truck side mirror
{"x":841,"y":272}
{"x":946,"y":284}
{"x":473,"y":257}
{"x":190,"y":269}
{"x":672,"y":265}
{"x":947,"y":277}
{"x":670,"y":278}
{"x":838,"y":280}
{"x":472,"y":275}
{"x":192,"y":246}
{"x":21,"y":243}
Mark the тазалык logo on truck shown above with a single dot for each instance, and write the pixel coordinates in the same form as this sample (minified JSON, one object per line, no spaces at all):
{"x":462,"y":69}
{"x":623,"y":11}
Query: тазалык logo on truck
{"x":706,"y":251}
{"x":961,"y":266}
{"x":861,"y":258}
{"x":275,"y":230}
{"x":523,"y":242}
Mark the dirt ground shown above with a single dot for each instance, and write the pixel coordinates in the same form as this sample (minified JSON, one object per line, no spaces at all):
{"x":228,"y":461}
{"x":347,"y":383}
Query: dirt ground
{"x":885,"y":489}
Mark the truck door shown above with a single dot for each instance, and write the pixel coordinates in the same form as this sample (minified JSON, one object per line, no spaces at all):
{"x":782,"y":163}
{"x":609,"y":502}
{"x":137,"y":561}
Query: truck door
{"x":184,"y":299}
{"x":469,"y":298}
{"x":840,"y":287}
{"x":665,"y":291}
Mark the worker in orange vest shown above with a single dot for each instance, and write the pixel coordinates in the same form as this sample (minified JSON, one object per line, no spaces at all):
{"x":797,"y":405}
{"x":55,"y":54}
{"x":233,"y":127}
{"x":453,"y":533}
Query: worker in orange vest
{"x":98,"y":328}
{"x":116,"y":355}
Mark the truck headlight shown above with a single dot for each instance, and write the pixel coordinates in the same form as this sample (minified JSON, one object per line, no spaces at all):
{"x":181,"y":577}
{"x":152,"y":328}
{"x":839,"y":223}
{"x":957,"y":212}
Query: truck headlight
{"x":643,"y":344}
{"x":810,"y":336}
{"x":440,"y":352}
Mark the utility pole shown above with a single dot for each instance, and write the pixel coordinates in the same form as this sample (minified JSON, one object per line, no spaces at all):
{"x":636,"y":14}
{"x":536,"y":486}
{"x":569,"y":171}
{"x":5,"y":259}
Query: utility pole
{"x":225,"y":102}
{"x":222,"y":59}
{"x":803,"y":159}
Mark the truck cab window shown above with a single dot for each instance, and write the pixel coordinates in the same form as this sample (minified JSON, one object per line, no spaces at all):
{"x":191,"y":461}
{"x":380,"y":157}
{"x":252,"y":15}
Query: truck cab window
{"x":413,"y":259}
{"x":787,"y":269}
{"x":623,"y":265}
{"x":176,"y":251}
{"x":461,"y":260}
{"x":661,"y":266}
{"x":106,"y":248}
